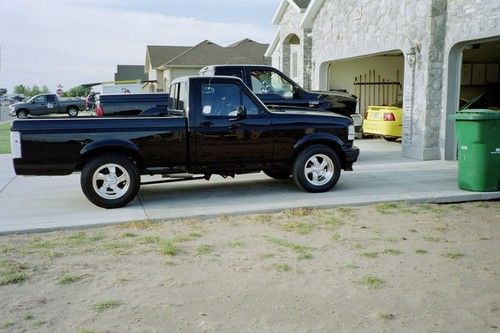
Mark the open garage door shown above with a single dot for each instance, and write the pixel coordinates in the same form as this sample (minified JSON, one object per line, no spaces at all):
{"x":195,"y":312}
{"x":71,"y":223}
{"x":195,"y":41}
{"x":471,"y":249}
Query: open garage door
{"x":378,"y":82}
{"x":475,"y":85}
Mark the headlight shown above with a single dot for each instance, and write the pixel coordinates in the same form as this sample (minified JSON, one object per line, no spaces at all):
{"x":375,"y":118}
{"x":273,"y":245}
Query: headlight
{"x":350,"y":132}
{"x":15,"y":144}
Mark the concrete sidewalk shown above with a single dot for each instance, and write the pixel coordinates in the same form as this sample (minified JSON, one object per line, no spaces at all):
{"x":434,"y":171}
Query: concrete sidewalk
{"x":46,"y":203}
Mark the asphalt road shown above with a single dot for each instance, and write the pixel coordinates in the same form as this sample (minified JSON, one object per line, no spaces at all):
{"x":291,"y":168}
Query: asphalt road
{"x":45,"y":203}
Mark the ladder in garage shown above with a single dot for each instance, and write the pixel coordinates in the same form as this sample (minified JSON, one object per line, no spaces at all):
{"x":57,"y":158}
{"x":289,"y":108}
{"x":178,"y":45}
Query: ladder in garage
{"x":372,"y":89}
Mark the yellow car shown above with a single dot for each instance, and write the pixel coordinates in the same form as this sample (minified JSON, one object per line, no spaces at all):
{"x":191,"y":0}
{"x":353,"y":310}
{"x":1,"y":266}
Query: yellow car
{"x":386,"y":121}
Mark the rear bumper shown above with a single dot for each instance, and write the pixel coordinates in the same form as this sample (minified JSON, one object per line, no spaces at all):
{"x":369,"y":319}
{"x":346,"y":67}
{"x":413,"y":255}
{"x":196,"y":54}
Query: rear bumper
{"x":30,"y":169}
{"x":351,"y":154}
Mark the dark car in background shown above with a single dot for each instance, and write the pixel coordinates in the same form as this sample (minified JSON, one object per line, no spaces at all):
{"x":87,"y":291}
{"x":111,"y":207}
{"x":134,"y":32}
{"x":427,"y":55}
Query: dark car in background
{"x":45,"y":104}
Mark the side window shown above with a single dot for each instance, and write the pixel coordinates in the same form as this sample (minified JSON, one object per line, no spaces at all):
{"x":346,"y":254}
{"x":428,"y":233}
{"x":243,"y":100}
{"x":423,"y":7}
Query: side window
{"x":220,"y":99}
{"x":269,"y":82}
{"x":173,"y":101}
{"x":182,"y":96}
{"x":51,"y":99}
{"x":250,"y":106}
{"x":40,"y":99}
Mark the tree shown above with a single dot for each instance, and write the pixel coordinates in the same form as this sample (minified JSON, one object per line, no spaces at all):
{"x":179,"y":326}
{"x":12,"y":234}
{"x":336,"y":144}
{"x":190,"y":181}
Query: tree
{"x":3,"y":91}
{"x":20,"y":89}
{"x":78,"y":91}
{"x":34,"y":90}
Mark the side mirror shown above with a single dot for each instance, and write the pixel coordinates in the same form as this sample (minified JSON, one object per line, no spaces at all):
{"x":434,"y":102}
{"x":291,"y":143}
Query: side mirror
{"x":241,"y":112}
{"x":295,"y":90}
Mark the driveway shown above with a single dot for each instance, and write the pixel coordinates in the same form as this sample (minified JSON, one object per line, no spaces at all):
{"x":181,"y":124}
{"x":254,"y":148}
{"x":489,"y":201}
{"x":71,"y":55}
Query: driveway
{"x":44,"y":203}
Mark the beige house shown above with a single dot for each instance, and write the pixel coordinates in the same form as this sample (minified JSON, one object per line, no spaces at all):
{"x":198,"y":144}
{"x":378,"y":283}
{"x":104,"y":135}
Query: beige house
{"x":166,"y":63}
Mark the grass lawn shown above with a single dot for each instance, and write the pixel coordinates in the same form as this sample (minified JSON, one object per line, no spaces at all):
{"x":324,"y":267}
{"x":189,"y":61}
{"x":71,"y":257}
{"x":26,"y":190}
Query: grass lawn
{"x":387,"y":267}
{"x":5,"y":138}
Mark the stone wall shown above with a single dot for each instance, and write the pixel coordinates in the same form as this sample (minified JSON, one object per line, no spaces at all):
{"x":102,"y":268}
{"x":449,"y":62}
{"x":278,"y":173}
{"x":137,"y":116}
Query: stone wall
{"x":346,"y":29}
{"x":281,"y":57}
{"x":425,"y":31}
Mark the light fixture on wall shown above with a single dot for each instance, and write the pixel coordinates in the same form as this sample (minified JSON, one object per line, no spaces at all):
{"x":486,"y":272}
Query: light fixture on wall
{"x":411,"y":56}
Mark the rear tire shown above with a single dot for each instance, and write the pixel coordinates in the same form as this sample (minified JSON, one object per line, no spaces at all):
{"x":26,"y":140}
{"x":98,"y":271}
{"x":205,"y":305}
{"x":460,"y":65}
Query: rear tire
{"x":72,"y":112}
{"x":22,"y":114}
{"x":316,"y":169}
{"x":277,"y":173}
{"x":110,"y":180}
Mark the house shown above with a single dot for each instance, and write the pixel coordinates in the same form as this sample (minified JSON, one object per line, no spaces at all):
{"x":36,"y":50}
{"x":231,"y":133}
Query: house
{"x":427,"y":53}
{"x":130,"y":72}
{"x":166,"y":63}
{"x":128,"y":78}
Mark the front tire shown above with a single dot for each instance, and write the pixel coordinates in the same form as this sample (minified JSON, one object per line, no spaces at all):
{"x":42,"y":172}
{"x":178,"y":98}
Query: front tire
{"x":110,"y":180}
{"x":390,"y":138}
{"x":72,"y":112}
{"x":22,"y":114}
{"x":316,"y":169}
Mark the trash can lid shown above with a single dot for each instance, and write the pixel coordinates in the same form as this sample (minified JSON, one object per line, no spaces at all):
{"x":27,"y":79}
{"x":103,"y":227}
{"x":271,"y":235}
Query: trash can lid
{"x":476,"y":114}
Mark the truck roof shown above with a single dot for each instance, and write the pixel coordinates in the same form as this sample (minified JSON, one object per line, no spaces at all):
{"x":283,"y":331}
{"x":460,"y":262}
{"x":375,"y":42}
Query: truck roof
{"x":218,"y":77}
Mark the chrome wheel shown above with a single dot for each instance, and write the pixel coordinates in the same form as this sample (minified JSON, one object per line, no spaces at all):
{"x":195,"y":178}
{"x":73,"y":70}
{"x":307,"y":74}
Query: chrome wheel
{"x":111,"y":181}
{"x":319,"y":169}
{"x":72,"y":112}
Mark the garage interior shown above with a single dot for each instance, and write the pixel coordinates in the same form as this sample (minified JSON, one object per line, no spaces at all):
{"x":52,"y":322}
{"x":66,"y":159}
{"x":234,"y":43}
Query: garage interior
{"x":473,"y":82}
{"x":480,"y":75}
{"x":376,"y":80}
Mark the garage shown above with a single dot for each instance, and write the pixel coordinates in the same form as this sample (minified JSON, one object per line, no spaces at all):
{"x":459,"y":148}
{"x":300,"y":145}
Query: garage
{"x":473,"y":82}
{"x":378,"y":81}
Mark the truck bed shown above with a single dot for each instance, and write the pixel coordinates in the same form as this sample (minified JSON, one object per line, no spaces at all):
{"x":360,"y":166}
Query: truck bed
{"x":59,"y":146}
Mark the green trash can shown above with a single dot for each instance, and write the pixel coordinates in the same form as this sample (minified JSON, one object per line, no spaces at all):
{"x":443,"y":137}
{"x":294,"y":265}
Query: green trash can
{"x":478,"y":136}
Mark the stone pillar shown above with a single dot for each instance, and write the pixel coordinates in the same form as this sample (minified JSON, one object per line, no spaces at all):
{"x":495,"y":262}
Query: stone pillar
{"x":306,"y":43}
{"x":424,"y":89}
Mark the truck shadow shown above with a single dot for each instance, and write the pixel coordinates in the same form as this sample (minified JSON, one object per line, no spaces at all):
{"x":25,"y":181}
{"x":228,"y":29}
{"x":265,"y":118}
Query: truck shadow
{"x":216,"y":192}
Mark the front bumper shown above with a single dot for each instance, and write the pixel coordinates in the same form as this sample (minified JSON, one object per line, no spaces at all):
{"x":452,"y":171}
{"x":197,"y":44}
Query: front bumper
{"x":351,"y":154}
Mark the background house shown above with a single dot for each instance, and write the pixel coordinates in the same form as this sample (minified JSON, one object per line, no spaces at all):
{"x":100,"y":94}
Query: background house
{"x":427,"y":53}
{"x":166,"y":63}
{"x":130,"y":72}
{"x":126,"y":79}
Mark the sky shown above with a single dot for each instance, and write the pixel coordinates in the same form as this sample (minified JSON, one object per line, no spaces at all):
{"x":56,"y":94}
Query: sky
{"x":70,"y":42}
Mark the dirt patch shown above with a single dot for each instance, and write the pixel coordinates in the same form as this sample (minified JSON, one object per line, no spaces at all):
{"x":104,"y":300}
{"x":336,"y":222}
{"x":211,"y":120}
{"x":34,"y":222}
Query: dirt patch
{"x":387,"y":267}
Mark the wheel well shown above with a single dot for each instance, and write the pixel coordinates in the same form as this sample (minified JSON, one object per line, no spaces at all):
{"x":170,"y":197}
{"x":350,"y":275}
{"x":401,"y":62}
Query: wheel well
{"x":332,"y":144}
{"x":72,"y":107}
{"x":27,"y":111}
{"x":106,"y":150}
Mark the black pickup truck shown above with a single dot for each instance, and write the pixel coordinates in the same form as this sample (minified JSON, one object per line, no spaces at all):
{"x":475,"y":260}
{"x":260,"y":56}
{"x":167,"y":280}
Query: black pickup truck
{"x":276,"y":90}
{"x":214,"y":126}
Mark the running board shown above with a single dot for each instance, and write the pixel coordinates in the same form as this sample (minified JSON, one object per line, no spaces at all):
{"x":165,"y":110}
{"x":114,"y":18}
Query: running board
{"x":172,"y":180}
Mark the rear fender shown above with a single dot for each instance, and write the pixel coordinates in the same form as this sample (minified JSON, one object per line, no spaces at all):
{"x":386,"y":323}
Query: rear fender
{"x":108,"y":146}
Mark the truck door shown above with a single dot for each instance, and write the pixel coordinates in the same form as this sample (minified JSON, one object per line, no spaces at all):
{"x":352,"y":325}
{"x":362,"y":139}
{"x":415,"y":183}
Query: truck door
{"x":39,"y":105}
{"x":272,"y":88}
{"x":224,"y":140}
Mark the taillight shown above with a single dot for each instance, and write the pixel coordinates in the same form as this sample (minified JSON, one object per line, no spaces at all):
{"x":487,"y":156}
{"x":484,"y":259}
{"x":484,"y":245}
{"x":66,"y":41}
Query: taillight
{"x":99,"y":111}
{"x":389,"y":116}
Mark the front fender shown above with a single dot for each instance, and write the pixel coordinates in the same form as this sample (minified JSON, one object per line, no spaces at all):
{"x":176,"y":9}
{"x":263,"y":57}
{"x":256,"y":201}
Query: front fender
{"x":316,"y":138}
